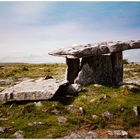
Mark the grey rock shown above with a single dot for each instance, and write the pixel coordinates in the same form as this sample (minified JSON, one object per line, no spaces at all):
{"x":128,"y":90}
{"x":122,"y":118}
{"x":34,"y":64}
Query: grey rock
{"x":107,"y":115}
{"x":106,"y":97}
{"x":130,"y":87}
{"x":6,"y":81}
{"x":73,"y":88}
{"x":38,"y":104}
{"x":2,"y":129}
{"x":82,"y":111}
{"x":136,"y":110}
{"x":118,"y":134}
{"x":98,"y":85}
{"x":36,"y":123}
{"x":72,"y":107}
{"x":85,"y":76}
{"x":3,"y":119}
{"x":76,"y":110}
{"x":61,"y":120}
{"x":95,"y":117}
{"x":82,"y":135}
{"x":2,"y":88}
{"x":78,"y":51}
{"x":18,"y":134}
{"x":96,"y":69}
{"x":137,"y":136}
{"x":34,"y":90}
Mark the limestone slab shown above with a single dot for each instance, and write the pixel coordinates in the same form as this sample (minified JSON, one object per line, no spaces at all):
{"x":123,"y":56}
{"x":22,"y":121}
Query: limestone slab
{"x":32,"y":90}
{"x":85,"y":50}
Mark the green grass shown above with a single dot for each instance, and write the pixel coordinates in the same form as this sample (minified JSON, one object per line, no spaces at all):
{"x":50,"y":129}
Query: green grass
{"x":32,"y":70}
{"x":94,"y":100}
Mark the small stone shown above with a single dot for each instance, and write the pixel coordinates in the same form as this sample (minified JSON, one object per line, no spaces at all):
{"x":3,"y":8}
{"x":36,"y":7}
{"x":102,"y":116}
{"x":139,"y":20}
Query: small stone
{"x":76,"y":110}
{"x":94,"y":117}
{"x":56,"y":112}
{"x":38,"y":104}
{"x":3,"y":119}
{"x":82,"y":135}
{"x":107,"y":115}
{"x":118,"y":134}
{"x":82,"y":110}
{"x":124,"y":133}
{"x":36,"y":123}
{"x":122,"y":109}
{"x":73,"y":88}
{"x":92,"y":100}
{"x":71,"y":107}
{"x":61,"y":120}
{"x":91,"y":135}
{"x":98,"y":85}
{"x":137,"y":136}
{"x":136,"y":110}
{"x":131,"y":87}
{"x":18,"y":134}
{"x":6,"y":81}
{"x":106,"y":96}
{"x":2,"y":129}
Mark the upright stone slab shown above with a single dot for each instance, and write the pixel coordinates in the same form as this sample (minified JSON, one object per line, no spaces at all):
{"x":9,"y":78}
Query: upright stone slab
{"x":72,"y":69}
{"x":117,"y":67}
{"x":101,"y":67}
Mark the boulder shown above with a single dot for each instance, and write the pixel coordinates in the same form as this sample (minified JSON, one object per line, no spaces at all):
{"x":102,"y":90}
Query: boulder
{"x":39,"y":89}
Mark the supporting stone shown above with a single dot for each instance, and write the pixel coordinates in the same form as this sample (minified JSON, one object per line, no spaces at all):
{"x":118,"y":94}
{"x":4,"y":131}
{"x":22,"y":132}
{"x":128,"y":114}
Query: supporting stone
{"x":73,"y":69}
{"x":117,"y":67}
{"x":100,"y":70}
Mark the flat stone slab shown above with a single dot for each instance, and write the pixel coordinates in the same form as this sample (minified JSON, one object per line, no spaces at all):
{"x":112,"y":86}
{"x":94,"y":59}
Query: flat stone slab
{"x":32,"y":90}
{"x":79,"y":51}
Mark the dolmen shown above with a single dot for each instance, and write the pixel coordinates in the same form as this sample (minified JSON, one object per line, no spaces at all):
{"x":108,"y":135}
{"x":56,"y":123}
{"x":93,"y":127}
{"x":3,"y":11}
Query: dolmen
{"x":100,"y":63}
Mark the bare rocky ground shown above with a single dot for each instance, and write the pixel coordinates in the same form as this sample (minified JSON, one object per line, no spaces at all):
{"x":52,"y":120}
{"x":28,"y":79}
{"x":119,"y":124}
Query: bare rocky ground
{"x":96,"y":112}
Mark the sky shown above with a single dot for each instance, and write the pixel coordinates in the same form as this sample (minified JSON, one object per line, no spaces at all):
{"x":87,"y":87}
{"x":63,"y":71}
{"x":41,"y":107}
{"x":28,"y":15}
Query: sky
{"x":30,"y":30}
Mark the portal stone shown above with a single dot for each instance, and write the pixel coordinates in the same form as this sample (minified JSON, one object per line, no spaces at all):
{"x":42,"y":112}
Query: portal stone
{"x":72,"y":69}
